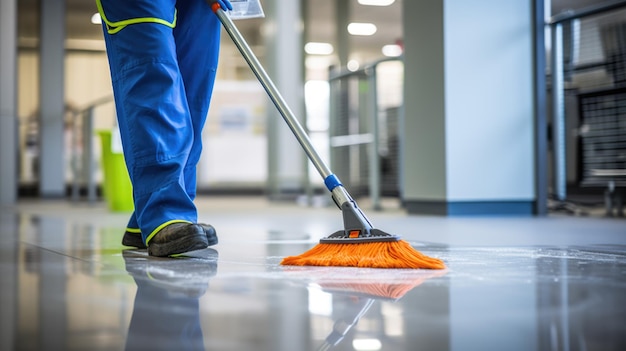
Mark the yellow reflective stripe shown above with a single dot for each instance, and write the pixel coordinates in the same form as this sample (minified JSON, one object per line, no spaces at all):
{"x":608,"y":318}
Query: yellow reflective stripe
{"x":114,"y":27}
{"x":118,"y":26}
{"x":163,"y":226}
{"x":134,"y":230}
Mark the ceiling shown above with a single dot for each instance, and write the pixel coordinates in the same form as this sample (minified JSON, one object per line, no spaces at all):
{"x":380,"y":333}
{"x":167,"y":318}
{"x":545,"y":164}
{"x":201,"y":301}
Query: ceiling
{"x":320,"y":22}
{"x":320,"y":19}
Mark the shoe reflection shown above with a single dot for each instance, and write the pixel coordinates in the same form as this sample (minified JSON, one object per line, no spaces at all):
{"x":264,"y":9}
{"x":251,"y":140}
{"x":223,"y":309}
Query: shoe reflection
{"x":355,"y":290}
{"x":166,"y":312}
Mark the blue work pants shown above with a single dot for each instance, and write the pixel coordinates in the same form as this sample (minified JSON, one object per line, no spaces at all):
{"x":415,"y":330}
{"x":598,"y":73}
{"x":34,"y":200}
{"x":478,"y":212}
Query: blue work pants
{"x":163,"y":58}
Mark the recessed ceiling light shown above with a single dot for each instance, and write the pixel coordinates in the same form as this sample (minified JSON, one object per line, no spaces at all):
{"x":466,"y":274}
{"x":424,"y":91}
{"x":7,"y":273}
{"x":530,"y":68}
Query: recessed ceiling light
{"x":313,"y":48}
{"x":361,"y":28}
{"x":392,"y":50}
{"x":376,"y":2}
{"x":353,"y":65}
{"x":96,"y":19}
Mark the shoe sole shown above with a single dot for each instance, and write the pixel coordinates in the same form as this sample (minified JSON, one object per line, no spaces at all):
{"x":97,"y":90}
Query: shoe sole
{"x":196,"y":241}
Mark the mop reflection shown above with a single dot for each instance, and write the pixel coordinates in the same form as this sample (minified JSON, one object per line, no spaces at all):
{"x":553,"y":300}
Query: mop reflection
{"x":166,"y":313}
{"x":355,"y":290}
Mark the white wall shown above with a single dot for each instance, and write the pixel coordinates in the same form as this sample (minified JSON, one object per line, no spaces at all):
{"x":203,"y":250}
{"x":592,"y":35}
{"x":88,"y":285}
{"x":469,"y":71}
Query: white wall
{"x":489,"y":100}
{"x":234,"y":137}
{"x":468,"y":134}
{"x":87,"y":78}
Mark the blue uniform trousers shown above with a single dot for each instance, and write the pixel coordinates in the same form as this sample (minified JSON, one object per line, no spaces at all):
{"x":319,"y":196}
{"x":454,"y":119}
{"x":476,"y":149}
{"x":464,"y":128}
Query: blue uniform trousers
{"x":163,"y":58}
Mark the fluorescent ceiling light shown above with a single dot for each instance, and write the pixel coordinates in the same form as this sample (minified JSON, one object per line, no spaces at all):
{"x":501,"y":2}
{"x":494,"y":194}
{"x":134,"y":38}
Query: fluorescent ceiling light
{"x":95,"y":19}
{"x":361,"y":28}
{"x":314,"y":48}
{"x":376,"y":2}
{"x":318,"y":62}
{"x":392,"y":50}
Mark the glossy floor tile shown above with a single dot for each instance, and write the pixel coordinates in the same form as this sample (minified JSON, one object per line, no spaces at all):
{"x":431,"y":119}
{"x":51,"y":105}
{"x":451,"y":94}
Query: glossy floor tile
{"x":555,"y":283}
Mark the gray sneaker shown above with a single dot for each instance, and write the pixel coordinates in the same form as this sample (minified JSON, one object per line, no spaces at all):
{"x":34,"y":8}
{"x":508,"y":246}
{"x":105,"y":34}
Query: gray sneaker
{"x":177,"y":238}
{"x":134,"y":239}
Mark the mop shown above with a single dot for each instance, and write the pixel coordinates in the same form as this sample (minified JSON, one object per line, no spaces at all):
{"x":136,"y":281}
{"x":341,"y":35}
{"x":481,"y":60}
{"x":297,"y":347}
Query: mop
{"x":359,"y":244}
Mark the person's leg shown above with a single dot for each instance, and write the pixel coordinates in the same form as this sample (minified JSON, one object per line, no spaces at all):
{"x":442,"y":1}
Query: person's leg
{"x":197,"y":37}
{"x":153,"y":115}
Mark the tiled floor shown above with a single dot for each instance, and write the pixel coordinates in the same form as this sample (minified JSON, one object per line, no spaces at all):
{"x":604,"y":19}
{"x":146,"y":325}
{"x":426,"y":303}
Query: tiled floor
{"x":556,"y":283}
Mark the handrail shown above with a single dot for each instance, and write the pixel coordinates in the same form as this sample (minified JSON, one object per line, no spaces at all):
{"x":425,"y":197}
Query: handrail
{"x":85,"y":112}
{"x":372,"y":139}
{"x":364,"y":70}
{"x":586,"y":11}
{"x":95,"y":103}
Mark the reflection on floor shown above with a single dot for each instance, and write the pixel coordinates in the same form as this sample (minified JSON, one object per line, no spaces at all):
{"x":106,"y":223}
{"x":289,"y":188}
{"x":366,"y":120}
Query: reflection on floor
{"x":556,"y":283}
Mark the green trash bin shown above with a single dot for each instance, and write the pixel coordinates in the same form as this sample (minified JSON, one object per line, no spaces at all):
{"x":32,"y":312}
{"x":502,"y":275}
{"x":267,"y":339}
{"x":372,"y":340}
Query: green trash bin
{"x":116,"y":187}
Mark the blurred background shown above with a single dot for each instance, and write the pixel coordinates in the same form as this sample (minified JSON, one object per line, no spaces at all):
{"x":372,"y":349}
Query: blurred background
{"x":360,"y":77}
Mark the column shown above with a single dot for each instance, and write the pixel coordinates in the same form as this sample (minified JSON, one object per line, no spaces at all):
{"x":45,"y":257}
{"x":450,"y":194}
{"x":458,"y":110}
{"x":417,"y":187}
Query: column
{"x":469,"y":117}
{"x":8,"y":102}
{"x":10,"y":265}
{"x":51,"y":94}
{"x":284,"y":63}
{"x":342,"y":18}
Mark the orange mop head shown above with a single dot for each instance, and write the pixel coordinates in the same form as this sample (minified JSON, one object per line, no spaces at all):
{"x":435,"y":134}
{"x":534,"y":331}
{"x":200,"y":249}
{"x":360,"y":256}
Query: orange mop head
{"x":363,"y":246}
{"x":390,"y":254}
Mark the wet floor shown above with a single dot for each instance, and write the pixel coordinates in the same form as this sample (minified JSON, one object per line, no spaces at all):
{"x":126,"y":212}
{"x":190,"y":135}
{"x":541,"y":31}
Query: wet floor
{"x":556,"y":283}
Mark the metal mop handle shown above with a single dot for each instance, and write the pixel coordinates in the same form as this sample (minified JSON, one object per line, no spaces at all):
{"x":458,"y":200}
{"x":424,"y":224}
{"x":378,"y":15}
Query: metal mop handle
{"x":338,"y":191}
{"x":357,"y":227}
